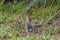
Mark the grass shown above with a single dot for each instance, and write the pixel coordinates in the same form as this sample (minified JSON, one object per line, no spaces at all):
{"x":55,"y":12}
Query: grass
{"x":11,"y":26}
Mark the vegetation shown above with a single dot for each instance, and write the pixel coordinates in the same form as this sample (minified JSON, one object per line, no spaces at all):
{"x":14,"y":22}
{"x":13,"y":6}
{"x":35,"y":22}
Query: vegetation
{"x":12,"y":19}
